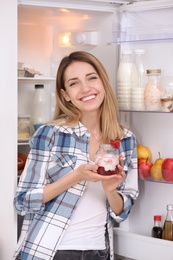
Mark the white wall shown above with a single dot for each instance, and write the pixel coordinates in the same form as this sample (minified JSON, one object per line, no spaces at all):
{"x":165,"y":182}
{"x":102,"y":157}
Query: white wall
{"x":8,"y":118}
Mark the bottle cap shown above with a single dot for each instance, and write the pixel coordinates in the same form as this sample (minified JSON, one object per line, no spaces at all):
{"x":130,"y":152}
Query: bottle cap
{"x":169,"y":207}
{"x":157,"y":217}
{"x":39,"y":86}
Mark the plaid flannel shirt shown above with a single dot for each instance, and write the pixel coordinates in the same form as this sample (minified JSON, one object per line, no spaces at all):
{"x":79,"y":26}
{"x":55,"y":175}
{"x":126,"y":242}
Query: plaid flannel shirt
{"x":56,"y":151}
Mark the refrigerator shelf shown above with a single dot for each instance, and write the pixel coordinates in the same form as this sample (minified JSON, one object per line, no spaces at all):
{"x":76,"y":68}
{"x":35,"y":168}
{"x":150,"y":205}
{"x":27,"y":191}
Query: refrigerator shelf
{"x":36,"y":79}
{"x":139,"y":247}
{"x":145,"y":111}
{"x":155,"y":181}
{"x":23,"y":141}
{"x":126,"y":37}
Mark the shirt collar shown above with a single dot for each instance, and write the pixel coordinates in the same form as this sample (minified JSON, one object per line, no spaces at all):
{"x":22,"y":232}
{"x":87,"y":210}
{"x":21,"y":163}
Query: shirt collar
{"x":79,"y":130}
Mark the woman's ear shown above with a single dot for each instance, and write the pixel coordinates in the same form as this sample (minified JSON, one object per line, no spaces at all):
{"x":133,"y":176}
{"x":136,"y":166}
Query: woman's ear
{"x":65,"y":95}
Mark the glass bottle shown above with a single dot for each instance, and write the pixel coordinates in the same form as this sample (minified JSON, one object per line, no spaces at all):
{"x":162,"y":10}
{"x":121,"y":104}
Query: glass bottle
{"x":39,"y":106}
{"x":157,"y":228}
{"x":153,"y":91}
{"x":167,"y":232}
{"x":107,"y":158}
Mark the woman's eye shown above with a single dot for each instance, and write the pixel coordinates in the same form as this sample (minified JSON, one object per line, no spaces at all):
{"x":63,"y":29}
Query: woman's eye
{"x":93,"y":78}
{"x":72,"y":84}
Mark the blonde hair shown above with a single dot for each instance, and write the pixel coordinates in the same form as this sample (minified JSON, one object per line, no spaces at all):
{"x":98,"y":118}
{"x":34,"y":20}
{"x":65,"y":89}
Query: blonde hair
{"x":109,"y":122}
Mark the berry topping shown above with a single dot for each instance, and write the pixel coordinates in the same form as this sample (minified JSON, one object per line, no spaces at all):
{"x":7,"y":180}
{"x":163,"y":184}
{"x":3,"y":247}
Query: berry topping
{"x":115,"y":143}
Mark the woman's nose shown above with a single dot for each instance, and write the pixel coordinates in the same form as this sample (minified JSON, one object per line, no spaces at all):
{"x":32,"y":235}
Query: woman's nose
{"x":85,"y":85}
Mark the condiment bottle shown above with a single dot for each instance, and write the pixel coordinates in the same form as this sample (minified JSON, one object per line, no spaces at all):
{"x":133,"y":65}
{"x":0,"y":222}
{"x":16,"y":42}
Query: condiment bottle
{"x":153,"y":91}
{"x":39,"y":106}
{"x":157,"y":228}
{"x":167,"y":232}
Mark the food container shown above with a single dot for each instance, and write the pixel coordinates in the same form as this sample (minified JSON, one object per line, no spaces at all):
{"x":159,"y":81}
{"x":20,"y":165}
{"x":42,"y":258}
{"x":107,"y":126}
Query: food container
{"x":153,"y":91}
{"x":24,"y":129}
{"x":167,"y":97}
{"x":107,"y":159}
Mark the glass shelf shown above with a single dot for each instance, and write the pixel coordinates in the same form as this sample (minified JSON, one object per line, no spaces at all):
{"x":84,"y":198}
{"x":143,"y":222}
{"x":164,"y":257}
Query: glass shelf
{"x":145,"y":111}
{"x":151,"y":180}
{"x":132,"y":35}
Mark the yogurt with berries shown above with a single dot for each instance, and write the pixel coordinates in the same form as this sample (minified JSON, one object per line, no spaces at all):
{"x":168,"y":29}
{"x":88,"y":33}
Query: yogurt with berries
{"x":107,"y":159}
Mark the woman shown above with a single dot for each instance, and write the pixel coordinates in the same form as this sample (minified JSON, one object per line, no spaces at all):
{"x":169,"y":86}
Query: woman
{"x":68,"y":207}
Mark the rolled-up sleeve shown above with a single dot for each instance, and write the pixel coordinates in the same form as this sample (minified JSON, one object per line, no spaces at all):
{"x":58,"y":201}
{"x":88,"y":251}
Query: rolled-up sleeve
{"x":29,"y":193}
{"x":128,"y":190}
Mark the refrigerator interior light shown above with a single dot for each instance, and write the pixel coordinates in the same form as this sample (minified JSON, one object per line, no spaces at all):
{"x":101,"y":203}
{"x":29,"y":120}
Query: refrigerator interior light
{"x":64,"y":39}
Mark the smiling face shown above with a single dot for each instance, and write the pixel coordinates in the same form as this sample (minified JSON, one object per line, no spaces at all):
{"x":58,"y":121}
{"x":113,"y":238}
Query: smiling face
{"x":83,"y":87}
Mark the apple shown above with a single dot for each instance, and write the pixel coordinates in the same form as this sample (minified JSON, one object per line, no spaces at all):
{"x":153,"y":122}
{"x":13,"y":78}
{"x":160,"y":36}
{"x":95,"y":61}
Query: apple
{"x":144,"y":167}
{"x":167,"y":169}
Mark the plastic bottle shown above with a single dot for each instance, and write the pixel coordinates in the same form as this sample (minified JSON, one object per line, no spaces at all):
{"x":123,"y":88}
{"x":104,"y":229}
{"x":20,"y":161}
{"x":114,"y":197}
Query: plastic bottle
{"x":167,"y":232}
{"x":124,"y":69}
{"x":124,"y":78}
{"x":39,"y":107}
{"x":157,"y":228}
{"x":140,"y":66}
{"x":138,"y":81}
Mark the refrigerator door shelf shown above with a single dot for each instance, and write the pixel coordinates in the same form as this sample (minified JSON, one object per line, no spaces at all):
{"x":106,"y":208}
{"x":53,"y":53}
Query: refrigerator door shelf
{"x":140,"y":247}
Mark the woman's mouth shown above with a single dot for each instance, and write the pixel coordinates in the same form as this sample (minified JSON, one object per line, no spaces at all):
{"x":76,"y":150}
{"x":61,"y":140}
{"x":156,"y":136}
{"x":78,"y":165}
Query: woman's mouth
{"x":88,"y":98}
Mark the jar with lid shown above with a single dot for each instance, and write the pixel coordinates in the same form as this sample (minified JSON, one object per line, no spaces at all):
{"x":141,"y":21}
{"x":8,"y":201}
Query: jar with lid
{"x":157,"y":228}
{"x":107,"y":158}
{"x":167,"y":232}
{"x":153,"y":91}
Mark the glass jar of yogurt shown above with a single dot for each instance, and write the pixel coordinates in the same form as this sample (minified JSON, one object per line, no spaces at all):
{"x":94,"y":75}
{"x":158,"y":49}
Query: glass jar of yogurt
{"x":153,"y":91}
{"x":107,"y":159}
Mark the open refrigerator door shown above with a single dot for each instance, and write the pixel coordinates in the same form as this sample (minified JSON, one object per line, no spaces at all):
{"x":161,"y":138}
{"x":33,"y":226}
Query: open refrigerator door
{"x":148,"y":26}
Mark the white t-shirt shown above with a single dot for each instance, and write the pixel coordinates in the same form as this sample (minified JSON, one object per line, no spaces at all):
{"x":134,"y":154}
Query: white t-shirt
{"x":87,"y":226}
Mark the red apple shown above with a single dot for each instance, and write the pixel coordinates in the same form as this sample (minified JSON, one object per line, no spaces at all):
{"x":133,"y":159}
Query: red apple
{"x":144,"y":167}
{"x":167,"y":169}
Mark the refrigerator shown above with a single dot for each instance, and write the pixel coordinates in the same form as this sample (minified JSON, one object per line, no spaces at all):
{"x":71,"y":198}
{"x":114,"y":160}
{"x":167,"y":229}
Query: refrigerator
{"x":37,"y":34}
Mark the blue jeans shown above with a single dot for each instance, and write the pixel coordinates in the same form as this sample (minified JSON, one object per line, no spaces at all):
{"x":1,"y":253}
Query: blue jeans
{"x":81,"y":255}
